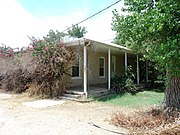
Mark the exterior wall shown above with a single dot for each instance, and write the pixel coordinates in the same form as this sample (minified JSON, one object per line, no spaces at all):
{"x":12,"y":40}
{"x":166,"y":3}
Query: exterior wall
{"x":93,"y":55}
{"x":119,"y":64}
{"x":78,"y":50}
{"x":93,"y":72}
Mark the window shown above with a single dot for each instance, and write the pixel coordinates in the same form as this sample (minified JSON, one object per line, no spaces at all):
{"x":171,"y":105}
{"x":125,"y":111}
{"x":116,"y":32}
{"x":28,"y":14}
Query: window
{"x":76,"y":69}
{"x":101,"y":67}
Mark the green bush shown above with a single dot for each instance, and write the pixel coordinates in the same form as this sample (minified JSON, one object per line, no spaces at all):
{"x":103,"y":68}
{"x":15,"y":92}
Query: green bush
{"x":124,"y":82}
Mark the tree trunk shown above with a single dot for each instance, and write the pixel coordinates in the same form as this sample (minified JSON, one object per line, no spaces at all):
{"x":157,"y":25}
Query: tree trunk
{"x":172,"y":95}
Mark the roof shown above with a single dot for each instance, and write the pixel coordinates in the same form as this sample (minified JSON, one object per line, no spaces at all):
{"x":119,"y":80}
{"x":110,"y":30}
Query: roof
{"x":82,"y":41}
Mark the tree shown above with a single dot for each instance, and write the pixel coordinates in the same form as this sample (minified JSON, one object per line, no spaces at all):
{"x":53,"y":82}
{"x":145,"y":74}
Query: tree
{"x":77,"y":31}
{"x":55,"y":36}
{"x":152,"y":28}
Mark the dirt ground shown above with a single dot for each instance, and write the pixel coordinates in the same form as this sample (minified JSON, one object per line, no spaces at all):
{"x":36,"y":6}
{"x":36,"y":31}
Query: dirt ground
{"x":70,"y":118}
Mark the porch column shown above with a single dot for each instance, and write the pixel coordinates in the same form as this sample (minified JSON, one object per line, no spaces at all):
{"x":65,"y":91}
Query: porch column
{"x":125,"y":59}
{"x":85,"y":71}
{"x":147,"y":77}
{"x":109,"y":69}
{"x":137,"y":69}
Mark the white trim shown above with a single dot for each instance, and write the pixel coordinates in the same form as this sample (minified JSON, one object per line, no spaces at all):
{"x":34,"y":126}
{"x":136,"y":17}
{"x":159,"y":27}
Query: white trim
{"x":78,"y":77}
{"x":102,"y":77}
{"x":81,"y":41}
{"x":147,"y":70}
{"x":109,"y":69}
{"x":125,"y":60}
{"x":137,"y":69}
{"x":104,"y":67}
{"x":85,"y":70}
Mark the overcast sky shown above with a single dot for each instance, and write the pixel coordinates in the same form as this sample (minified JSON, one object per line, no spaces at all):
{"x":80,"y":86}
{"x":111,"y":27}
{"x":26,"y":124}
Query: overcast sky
{"x":22,"y":18}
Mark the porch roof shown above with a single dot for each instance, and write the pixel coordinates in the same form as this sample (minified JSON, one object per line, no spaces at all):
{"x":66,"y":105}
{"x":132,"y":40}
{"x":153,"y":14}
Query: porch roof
{"x":82,"y":41}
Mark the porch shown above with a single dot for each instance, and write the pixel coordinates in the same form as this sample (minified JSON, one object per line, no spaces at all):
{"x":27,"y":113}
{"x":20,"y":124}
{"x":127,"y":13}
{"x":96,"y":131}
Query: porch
{"x":92,"y":90}
{"x":96,"y":63}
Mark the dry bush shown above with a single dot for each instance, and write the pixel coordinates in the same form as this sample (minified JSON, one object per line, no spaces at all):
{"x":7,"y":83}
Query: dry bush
{"x":52,"y":74}
{"x":17,"y":72}
{"x":154,"y":121}
{"x":172,"y":129}
{"x":46,"y":66}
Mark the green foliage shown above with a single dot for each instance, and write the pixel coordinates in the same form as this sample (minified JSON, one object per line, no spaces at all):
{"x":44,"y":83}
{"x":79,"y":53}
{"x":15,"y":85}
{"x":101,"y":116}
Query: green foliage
{"x":77,"y":31}
{"x":55,"y":36}
{"x":154,"y":74}
{"x":152,"y":29}
{"x":124,"y":82}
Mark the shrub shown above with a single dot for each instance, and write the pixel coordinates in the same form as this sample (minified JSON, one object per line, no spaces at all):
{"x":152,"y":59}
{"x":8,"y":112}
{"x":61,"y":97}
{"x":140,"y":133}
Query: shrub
{"x":17,"y":81}
{"x":52,"y":72}
{"x":45,"y":65}
{"x":124,"y":82}
{"x":118,"y":83}
{"x":16,"y":71}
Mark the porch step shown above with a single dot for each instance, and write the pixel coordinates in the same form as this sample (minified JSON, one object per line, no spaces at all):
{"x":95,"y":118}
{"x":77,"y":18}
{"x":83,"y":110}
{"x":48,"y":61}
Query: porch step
{"x":71,"y":95}
{"x":74,"y":92}
{"x":81,"y":100}
{"x":68,"y":98}
{"x":100,"y":93}
{"x":140,"y":87}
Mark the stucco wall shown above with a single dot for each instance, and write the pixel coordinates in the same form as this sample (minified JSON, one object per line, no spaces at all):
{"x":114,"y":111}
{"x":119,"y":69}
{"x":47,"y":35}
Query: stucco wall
{"x":93,"y":72}
{"x":119,"y":63}
{"x":78,"y":50}
{"x":93,"y":55}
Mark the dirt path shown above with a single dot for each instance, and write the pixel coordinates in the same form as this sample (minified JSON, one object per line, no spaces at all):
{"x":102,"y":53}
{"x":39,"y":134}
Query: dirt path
{"x":70,"y":118}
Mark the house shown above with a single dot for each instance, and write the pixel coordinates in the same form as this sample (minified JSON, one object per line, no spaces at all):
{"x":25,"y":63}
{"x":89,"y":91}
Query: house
{"x":96,"y":62}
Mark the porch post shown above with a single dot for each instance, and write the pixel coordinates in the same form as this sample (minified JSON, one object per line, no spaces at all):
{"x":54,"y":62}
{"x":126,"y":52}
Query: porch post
{"x":137,"y":69}
{"x":147,"y":77}
{"x":85,"y":71}
{"x":125,"y":60}
{"x":109,"y":69}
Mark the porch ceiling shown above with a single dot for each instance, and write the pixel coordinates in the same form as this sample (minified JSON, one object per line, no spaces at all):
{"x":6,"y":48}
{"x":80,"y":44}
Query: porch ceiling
{"x":104,"y":48}
{"x":101,"y":46}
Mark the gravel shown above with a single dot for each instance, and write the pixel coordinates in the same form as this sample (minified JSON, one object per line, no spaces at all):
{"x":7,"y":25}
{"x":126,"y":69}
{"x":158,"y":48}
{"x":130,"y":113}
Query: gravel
{"x":66,"y":118}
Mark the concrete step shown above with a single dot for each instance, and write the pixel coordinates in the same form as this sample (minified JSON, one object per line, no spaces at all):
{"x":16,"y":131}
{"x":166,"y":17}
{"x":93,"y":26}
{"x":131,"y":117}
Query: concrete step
{"x":83,"y":100}
{"x":68,"y":98}
{"x":100,"y":93}
{"x":74,"y":92}
{"x":71,"y":95}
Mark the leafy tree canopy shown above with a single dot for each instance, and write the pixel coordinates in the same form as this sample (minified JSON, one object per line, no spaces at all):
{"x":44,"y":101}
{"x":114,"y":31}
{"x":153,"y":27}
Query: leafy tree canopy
{"x":55,"y":36}
{"x":151,"y":28}
{"x":77,"y":31}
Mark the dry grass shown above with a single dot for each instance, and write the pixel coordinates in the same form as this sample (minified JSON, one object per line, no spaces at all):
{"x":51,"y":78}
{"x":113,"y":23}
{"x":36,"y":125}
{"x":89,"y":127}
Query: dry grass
{"x":152,"y":122}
